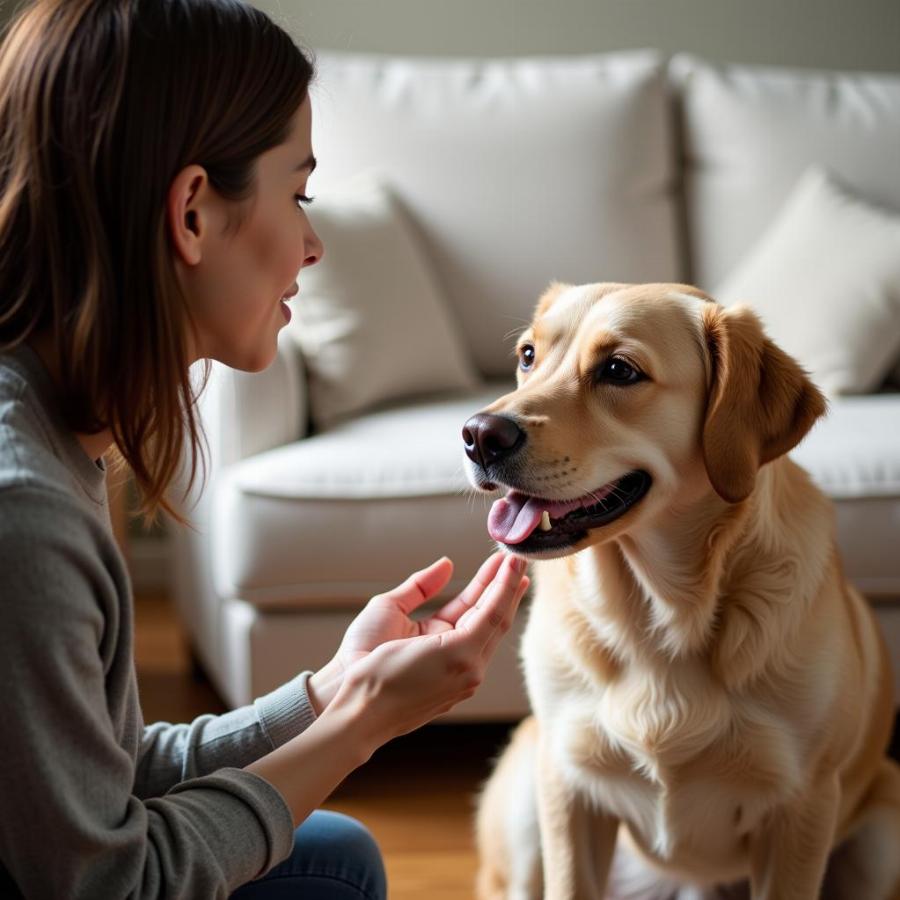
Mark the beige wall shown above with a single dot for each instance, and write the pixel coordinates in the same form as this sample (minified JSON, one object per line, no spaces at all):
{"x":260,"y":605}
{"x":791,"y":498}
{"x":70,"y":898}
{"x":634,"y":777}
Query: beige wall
{"x":845,"y":34}
{"x":851,"y":34}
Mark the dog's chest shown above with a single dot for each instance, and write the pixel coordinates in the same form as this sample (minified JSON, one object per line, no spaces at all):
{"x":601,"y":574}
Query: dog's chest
{"x":690,"y":769}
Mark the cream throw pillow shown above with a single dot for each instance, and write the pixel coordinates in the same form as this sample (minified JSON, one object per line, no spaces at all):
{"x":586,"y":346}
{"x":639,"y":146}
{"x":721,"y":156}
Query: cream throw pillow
{"x":825,"y":278}
{"x":370,"y":321}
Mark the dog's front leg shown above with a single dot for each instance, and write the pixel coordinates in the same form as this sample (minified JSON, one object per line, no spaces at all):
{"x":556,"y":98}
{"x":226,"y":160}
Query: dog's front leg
{"x":789,"y":853}
{"x":577,"y":840}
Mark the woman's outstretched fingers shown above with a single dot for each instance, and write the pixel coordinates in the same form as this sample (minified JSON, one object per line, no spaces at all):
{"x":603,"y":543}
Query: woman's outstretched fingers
{"x":497,"y":636}
{"x":496,"y":609}
{"x":473,"y":591}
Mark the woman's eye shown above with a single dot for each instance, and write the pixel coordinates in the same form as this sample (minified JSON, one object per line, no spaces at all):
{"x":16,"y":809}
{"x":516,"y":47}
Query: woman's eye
{"x":303,"y":200}
{"x":616,"y":371}
{"x":526,"y":357}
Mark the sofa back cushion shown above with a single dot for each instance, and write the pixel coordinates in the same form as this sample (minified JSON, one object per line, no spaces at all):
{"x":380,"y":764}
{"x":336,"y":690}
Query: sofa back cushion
{"x":370,"y":323}
{"x":749,"y":134}
{"x":825,"y":278}
{"x":514,"y":173}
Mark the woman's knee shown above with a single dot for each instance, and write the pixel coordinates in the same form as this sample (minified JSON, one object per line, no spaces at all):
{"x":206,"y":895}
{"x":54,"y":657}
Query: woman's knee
{"x":331,"y":837}
{"x":334,"y":857}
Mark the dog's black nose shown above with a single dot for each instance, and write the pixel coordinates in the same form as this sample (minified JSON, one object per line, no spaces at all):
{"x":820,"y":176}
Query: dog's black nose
{"x":489,"y":438}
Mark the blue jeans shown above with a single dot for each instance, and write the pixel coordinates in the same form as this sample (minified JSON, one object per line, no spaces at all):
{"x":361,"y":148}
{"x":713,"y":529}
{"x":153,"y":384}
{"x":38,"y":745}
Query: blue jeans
{"x":334,"y":858}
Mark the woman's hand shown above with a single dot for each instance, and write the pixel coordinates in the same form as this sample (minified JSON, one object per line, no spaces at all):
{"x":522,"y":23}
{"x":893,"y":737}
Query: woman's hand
{"x":392,"y":675}
{"x":386,"y":617}
{"x":405,"y":682}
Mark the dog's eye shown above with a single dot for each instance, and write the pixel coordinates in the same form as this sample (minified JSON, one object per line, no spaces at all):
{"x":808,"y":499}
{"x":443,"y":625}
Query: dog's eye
{"x":526,"y":357}
{"x":616,"y":371}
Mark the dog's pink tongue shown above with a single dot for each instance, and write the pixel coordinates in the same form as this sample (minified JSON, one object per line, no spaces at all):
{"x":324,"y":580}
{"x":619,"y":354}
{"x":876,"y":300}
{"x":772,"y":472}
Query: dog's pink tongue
{"x":514,"y":518}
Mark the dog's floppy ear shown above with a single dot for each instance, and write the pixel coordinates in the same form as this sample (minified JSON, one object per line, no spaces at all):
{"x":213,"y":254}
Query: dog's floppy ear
{"x":760,"y":404}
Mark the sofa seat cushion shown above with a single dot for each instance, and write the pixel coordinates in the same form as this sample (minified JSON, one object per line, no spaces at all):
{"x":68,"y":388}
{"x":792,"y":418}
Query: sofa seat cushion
{"x":408,"y":450}
{"x":352,"y":511}
{"x":330,"y":520}
{"x":854,"y":451}
{"x":853,"y":454}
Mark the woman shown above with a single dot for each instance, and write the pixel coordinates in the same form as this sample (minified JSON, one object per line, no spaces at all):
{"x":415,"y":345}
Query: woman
{"x":154,"y":156}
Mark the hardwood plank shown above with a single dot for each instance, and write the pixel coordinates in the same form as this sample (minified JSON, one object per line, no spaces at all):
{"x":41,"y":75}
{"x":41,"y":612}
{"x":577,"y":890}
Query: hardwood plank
{"x":436,"y":876}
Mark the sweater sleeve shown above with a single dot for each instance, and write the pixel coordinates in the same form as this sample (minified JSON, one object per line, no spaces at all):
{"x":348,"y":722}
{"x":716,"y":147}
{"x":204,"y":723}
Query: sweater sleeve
{"x":170,"y":754}
{"x":72,"y":824}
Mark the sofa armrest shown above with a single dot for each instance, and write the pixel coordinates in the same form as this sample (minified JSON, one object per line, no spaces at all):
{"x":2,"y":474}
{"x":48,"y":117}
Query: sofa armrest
{"x":242,"y":414}
{"x":246,"y":413}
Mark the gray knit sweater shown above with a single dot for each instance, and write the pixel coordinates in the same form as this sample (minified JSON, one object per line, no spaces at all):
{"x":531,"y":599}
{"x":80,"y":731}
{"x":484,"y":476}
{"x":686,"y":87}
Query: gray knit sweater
{"x":93,"y":803}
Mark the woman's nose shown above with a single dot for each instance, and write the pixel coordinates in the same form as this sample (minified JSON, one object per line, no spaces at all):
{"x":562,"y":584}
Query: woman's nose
{"x":314,"y":248}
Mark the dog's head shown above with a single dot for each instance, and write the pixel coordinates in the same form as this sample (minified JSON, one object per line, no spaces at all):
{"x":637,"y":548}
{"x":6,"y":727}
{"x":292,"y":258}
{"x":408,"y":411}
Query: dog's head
{"x":630,"y":399}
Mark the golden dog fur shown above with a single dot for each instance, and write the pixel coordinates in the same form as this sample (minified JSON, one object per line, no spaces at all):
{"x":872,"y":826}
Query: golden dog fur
{"x":711,"y":699}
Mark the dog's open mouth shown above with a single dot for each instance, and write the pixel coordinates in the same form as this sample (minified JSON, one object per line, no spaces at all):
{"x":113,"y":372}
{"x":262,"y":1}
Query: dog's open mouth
{"x":529,"y":524}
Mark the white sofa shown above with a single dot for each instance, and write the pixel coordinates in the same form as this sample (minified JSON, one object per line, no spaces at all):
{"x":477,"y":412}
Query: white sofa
{"x":512,"y":173}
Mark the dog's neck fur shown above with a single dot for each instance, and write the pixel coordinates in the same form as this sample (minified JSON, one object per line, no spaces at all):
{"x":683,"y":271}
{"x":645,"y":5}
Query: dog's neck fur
{"x":667,"y":588}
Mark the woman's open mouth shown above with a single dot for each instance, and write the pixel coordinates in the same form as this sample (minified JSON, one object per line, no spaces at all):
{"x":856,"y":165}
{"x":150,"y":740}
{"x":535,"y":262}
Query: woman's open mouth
{"x":527,"y":524}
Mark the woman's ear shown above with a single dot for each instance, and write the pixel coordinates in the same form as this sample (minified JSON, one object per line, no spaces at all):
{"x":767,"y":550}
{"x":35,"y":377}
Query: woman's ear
{"x":760,"y":405}
{"x":187,"y":213}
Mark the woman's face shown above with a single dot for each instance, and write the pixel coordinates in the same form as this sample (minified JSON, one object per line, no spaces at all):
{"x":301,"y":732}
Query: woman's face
{"x":238,"y":288}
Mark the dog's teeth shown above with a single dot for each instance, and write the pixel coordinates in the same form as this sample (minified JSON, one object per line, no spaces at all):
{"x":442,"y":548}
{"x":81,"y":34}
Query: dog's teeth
{"x":545,"y":521}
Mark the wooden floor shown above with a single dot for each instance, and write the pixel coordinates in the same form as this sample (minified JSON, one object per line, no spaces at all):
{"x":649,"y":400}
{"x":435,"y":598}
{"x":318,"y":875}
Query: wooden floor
{"x":415,"y":795}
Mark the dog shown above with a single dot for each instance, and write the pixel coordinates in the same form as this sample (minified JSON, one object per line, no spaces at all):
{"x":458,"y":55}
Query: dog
{"x":711,"y":699}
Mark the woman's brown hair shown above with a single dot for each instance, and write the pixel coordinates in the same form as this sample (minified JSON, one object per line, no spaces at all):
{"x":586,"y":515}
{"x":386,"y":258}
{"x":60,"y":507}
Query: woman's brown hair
{"x":102,"y":103}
